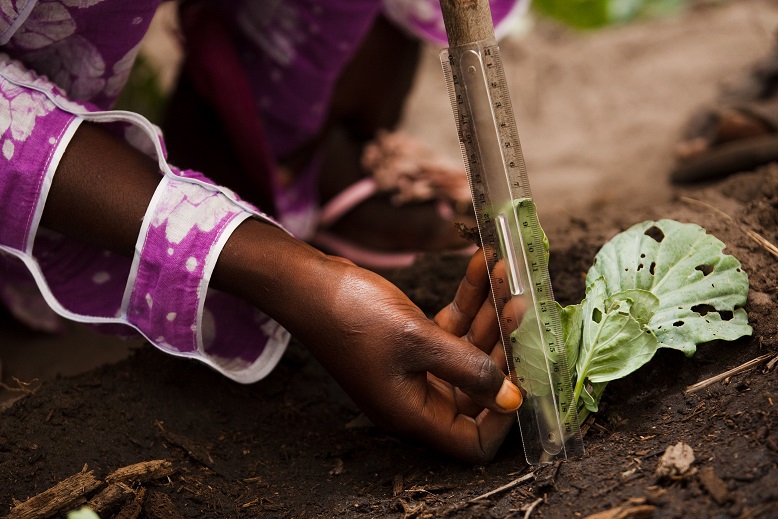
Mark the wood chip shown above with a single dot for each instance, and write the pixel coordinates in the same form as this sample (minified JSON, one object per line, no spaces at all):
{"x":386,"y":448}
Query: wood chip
{"x":65,"y":495}
{"x":635,"y":508}
{"x":141,"y":472}
{"x":676,"y":462}
{"x":133,"y":509}
{"x":110,"y":496}
{"x":714,"y":485}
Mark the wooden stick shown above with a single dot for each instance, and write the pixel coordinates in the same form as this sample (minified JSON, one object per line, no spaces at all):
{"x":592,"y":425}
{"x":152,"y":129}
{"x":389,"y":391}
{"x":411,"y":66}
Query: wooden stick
{"x":64,"y":495}
{"x":467,"y":21}
{"x":722,"y":376}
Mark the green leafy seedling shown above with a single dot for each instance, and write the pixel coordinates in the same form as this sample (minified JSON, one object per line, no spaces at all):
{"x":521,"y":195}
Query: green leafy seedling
{"x":662,"y":284}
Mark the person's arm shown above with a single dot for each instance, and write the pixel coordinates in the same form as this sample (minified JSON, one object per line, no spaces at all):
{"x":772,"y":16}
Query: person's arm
{"x":400,"y":367}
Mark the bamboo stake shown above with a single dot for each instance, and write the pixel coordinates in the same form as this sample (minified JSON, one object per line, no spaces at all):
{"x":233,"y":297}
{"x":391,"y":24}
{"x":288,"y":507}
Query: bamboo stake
{"x":467,"y":21}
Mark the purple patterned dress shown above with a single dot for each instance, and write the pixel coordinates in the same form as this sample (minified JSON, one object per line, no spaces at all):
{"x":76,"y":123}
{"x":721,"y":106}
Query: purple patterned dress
{"x":63,"y":62}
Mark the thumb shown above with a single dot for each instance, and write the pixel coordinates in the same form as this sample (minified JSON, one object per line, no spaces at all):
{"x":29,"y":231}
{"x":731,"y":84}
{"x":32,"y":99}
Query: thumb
{"x":465,"y":366}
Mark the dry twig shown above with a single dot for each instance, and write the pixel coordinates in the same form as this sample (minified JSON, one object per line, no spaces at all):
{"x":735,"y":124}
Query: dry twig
{"x":532,"y":507}
{"x":743,"y":367}
{"x":758,"y":238}
{"x":516,"y":482}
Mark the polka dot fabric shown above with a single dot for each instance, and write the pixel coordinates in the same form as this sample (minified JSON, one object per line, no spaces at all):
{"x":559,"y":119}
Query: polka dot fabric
{"x":185,"y":224}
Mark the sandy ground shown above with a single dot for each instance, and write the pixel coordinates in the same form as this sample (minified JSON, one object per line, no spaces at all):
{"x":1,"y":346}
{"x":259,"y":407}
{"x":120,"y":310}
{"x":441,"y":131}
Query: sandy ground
{"x":598,"y":114}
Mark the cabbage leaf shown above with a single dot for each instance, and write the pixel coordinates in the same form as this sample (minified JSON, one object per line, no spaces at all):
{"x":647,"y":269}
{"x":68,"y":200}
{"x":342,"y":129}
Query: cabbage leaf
{"x":661,"y":284}
{"x":700,"y":289}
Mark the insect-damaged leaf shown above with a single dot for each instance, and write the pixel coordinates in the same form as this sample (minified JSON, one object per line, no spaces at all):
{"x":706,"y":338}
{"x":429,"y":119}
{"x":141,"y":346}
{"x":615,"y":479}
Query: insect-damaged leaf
{"x":700,"y":289}
{"x":658,"y":284}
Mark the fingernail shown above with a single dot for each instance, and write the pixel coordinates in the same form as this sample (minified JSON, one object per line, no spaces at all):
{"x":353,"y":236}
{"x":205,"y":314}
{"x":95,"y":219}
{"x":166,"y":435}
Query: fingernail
{"x":509,"y":397}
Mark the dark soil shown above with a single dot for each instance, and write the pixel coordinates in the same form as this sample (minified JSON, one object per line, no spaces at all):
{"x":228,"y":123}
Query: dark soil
{"x":294,"y":445}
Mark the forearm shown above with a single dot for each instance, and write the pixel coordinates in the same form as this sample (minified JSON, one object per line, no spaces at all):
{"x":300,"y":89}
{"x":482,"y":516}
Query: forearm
{"x":101,"y":190}
{"x":100,"y":194}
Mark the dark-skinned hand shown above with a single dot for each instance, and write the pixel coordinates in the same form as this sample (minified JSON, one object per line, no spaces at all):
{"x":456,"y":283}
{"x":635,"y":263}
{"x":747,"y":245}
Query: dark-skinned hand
{"x":440,"y":381}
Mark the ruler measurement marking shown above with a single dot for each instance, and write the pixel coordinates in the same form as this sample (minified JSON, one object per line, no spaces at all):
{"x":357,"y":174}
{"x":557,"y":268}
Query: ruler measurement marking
{"x":495,"y":227}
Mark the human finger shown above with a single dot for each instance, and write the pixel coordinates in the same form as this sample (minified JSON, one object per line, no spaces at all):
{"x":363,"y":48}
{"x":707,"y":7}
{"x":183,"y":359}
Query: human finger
{"x":484,"y":329}
{"x":466,"y":367}
{"x":473,"y":290}
{"x":465,"y":404}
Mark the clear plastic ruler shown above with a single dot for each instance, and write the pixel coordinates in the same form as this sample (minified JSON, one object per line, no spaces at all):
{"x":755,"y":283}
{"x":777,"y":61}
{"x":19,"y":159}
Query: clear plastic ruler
{"x":516,"y":250}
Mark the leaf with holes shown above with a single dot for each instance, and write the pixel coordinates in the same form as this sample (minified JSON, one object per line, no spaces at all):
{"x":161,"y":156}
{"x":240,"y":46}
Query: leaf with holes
{"x":657,"y":285}
{"x":701,"y":290}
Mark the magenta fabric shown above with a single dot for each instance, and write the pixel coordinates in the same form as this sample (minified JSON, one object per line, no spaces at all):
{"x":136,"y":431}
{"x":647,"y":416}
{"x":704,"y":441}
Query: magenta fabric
{"x":293,"y":53}
{"x":63,"y":62}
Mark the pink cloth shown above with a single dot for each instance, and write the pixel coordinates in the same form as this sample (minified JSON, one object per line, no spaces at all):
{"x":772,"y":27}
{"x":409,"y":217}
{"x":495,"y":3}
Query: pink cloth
{"x":63,"y":62}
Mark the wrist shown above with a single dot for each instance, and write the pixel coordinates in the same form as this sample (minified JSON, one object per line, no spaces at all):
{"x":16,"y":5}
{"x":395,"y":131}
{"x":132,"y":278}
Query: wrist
{"x":275,"y":272}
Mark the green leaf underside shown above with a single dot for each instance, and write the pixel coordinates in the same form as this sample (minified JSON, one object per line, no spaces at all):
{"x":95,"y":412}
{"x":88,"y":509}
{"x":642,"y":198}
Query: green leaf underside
{"x":533,"y":368}
{"x":615,"y":342}
{"x":589,"y":401}
{"x":532,"y":336}
{"x":572,"y":328}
